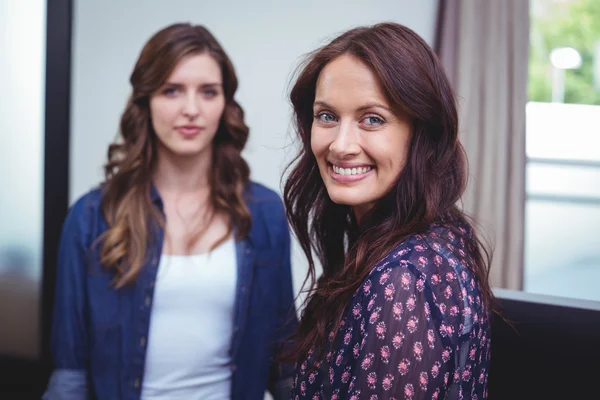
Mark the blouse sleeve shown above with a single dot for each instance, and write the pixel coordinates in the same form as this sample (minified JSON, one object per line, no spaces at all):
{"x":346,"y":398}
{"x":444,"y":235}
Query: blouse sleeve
{"x":404,"y":352}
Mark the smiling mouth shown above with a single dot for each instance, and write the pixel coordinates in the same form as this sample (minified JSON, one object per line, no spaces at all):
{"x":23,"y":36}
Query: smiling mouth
{"x":350,"y":171}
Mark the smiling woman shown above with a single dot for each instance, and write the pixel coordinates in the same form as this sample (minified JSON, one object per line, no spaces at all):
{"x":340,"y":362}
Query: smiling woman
{"x":403,"y":306}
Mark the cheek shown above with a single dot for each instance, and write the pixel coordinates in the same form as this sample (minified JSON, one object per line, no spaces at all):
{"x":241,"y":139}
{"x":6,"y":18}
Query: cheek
{"x":215,"y":111}
{"x":163,"y":114}
{"x":318,"y":143}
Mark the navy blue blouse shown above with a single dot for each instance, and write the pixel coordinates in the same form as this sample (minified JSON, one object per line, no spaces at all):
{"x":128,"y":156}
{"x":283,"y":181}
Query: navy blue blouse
{"x":415,"y":329}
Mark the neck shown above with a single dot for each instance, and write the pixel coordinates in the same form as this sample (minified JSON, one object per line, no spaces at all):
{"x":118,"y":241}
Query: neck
{"x":182,"y":175}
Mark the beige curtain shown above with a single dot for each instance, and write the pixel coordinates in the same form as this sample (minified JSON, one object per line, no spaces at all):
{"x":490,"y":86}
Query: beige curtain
{"x":484,"y":45}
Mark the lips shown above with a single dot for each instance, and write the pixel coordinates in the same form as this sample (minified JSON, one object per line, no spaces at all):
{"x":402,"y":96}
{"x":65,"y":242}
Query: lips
{"x":189,"y":130}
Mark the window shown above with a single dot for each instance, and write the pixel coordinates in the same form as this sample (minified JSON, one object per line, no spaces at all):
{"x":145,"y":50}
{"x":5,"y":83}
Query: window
{"x":562,"y":227}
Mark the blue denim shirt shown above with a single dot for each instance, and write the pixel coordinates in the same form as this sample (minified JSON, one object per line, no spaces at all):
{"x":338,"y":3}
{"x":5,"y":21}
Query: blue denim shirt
{"x":99,"y":333}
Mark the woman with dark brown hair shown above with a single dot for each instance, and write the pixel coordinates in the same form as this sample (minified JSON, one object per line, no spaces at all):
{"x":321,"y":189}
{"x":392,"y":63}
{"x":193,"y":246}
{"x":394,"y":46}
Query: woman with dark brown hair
{"x":174,"y":276}
{"x":402,"y":308}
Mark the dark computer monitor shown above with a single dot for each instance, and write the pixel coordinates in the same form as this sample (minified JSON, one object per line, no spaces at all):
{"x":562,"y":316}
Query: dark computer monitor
{"x":550,"y":349}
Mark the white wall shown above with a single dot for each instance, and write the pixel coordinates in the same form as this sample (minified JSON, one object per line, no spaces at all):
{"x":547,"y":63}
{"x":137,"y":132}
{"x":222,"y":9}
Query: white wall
{"x":22,"y":86}
{"x":265,"y":40}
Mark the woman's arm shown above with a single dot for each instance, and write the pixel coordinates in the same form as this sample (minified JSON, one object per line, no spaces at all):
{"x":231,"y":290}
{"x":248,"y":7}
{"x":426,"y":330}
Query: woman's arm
{"x":402,"y":353}
{"x":69,"y":339}
{"x":280,"y":382}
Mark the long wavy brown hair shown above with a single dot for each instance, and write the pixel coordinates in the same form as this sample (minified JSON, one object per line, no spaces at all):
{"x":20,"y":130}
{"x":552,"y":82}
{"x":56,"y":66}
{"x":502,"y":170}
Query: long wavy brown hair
{"x":126,"y":202}
{"x":428,"y":188}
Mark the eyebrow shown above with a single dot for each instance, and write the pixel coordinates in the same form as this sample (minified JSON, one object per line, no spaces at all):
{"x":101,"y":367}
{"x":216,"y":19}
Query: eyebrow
{"x":361,"y":108}
{"x":204,"y":85}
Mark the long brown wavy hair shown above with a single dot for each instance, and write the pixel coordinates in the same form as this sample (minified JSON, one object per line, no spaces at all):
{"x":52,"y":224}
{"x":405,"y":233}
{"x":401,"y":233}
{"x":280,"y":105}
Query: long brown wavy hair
{"x":126,"y":201}
{"x":428,"y":188}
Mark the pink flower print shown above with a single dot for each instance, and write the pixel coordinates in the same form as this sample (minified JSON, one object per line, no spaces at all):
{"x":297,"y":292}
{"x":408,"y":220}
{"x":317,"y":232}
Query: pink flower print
{"x":355,"y":350}
{"x":335,"y":395}
{"x":405,"y":280}
{"x":328,"y":357}
{"x":402,"y":252}
{"x":450,"y":247}
{"x":454,"y":311}
{"x":331,"y":336}
{"x":385,"y":354}
{"x":435,"y":369}
{"x":456,"y":375}
{"x":462,"y":253}
{"x":397,"y":340}
{"x":374,"y":315}
{"x":372,"y":380}
{"x":346,"y":375}
{"x":371,"y":302}
{"x":303,"y":388}
{"x":315,"y":396}
{"x":435,"y":279}
{"x":357,"y":311}
{"x":397,"y":310}
{"x":467,"y":311}
{"x":431,"y":338}
{"x":427,"y":311}
{"x":348,"y":336}
{"x":355,"y":396}
{"x":482,"y":377}
{"x":409,"y":391}
{"x":446,"y":377}
{"x":362,"y":326}
{"x":435,"y":394}
{"x":389,"y":292}
{"x":412,"y":324}
{"x":311,"y":378}
{"x":442,"y":307}
{"x":437,"y":247}
{"x":411,"y":302}
{"x":420,"y":248}
{"x":384,"y":277}
{"x":446,"y":355}
{"x":474,"y":397}
{"x":448,"y":292}
{"x":331,"y":374}
{"x":472,"y":353}
{"x":450,"y":276}
{"x":466,"y":375}
{"x":367,"y":362}
{"x":420,"y":284}
{"x":422,"y":261}
{"x":418,"y":351}
{"x":339,"y":358}
{"x":403,"y":366}
{"x":367,"y":287}
{"x":380,"y":330}
{"x":451,"y":236}
{"x":387,"y":381}
{"x":303,"y":366}
{"x":373,"y":397}
{"x":423,"y":381}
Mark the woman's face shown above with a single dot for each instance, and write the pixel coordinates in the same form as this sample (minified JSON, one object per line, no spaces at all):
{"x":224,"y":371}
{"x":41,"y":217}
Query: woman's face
{"x":186,"y":111}
{"x":360,"y":144}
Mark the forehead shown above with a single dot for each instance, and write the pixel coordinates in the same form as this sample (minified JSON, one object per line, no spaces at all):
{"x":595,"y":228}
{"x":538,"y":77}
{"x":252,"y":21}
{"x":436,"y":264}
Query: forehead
{"x":196,"y":68}
{"x":348,"y":81}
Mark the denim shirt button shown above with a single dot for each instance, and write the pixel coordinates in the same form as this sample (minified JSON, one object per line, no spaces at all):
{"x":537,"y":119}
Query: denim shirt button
{"x":136,"y":383}
{"x":148,"y":300}
{"x":233,"y":367}
{"x":143,"y":341}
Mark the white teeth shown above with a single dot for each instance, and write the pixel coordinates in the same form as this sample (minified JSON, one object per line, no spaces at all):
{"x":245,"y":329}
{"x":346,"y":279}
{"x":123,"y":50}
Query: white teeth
{"x":351,"y":171}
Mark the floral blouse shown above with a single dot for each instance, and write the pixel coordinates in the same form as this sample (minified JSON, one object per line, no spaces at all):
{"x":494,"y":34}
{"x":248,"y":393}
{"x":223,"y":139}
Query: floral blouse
{"x":416,"y":329}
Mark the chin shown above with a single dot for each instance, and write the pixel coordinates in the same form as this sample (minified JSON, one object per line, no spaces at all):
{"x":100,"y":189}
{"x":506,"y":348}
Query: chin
{"x":343,"y":197}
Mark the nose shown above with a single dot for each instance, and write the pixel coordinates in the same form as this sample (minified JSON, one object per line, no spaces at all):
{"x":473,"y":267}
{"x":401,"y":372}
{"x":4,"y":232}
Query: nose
{"x":346,"y":141}
{"x":191,"y":107}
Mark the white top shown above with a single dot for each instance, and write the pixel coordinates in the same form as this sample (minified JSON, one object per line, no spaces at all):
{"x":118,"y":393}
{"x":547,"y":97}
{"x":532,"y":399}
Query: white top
{"x":191,"y":325}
